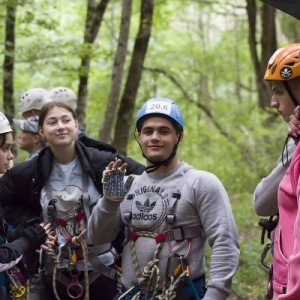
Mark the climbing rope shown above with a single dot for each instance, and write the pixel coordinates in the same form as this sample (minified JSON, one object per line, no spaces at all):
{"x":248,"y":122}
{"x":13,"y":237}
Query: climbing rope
{"x":151,"y":271}
{"x":169,"y":290}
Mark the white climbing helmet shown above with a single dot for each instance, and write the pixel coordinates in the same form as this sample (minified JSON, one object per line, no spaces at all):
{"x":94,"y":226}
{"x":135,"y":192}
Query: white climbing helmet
{"x":4,"y":124}
{"x":62,"y":94}
{"x":32,"y":99}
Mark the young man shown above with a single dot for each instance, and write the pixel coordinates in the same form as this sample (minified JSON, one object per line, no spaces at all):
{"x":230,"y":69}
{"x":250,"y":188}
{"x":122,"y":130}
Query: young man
{"x":170,"y":213}
{"x":29,"y":139}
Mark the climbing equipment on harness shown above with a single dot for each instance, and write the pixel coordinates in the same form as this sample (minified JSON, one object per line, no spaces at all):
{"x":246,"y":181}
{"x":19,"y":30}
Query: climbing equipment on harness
{"x":17,"y":290}
{"x":268,"y":225}
{"x":10,"y":284}
{"x":181,"y":275}
{"x":149,"y":284}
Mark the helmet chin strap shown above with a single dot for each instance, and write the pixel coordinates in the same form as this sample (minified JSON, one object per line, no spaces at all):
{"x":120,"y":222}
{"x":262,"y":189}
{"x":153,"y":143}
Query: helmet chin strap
{"x":156,"y":164}
{"x":291,"y":94}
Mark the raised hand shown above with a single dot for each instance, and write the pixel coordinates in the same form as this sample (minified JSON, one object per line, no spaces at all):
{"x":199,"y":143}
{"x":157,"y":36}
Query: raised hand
{"x":114,"y":187}
{"x":294,"y":124}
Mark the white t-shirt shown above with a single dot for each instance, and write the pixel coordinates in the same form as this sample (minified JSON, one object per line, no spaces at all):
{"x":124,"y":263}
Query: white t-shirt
{"x":66,"y":182}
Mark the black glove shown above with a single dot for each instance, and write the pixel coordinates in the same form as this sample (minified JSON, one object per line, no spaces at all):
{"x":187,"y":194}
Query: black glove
{"x":24,"y":223}
{"x":36,"y":235}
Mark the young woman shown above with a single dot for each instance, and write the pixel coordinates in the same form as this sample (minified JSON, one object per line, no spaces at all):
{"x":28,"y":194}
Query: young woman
{"x":28,"y":236}
{"x":6,"y":141}
{"x":63,"y":183}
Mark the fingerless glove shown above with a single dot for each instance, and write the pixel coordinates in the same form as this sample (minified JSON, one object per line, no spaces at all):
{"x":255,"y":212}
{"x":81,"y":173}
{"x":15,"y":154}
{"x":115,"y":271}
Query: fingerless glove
{"x":36,"y":235}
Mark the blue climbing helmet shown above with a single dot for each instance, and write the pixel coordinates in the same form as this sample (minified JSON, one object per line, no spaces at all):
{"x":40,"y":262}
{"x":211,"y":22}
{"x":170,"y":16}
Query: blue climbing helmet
{"x":165,"y":108}
{"x":162,"y":107}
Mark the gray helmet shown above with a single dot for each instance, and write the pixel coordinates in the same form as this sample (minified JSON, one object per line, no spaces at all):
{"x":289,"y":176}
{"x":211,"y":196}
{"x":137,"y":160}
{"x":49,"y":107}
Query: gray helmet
{"x":32,"y":99}
{"x":4,"y":124}
{"x":62,"y":94}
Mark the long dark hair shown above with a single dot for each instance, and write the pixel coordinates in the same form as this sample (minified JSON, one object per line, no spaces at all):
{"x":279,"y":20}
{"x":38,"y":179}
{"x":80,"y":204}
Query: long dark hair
{"x":3,"y":137}
{"x":48,"y":106}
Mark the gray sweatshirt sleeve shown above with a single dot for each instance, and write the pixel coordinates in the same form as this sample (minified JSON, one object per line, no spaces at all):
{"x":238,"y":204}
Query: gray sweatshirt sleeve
{"x":105,"y":218}
{"x":265,"y":194}
{"x":220,"y":229}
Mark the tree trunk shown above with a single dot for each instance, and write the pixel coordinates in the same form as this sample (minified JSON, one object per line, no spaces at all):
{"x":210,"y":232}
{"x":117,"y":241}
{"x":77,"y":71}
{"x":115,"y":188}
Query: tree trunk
{"x":125,"y":113}
{"x":8,"y":64}
{"x":117,"y":73}
{"x":93,"y":22}
{"x":268,"y":46}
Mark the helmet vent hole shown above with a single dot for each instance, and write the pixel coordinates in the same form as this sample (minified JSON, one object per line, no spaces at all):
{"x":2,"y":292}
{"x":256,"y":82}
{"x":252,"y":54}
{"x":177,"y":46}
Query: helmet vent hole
{"x":273,"y":68}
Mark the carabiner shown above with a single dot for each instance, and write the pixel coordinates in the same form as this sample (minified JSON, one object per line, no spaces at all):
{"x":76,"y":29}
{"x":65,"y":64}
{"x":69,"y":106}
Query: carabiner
{"x":264,"y":255}
{"x":182,"y":267}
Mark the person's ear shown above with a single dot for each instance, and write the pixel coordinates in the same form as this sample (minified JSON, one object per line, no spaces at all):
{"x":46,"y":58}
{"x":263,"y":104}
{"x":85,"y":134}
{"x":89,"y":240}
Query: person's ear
{"x":180,"y":137}
{"x":41,"y":132}
{"x":36,"y":138}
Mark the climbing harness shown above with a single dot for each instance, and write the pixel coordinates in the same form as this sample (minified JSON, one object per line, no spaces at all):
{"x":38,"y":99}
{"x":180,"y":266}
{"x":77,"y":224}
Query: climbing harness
{"x":71,"y":255}
{"x":74,"y":288}
{"x":149,"y":282}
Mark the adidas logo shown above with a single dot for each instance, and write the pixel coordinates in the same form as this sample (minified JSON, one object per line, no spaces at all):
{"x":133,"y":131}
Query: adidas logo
{"x":145,"y":209}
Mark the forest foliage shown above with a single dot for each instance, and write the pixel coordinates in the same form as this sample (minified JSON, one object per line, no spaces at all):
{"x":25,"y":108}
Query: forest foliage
{"x":199,"y":56}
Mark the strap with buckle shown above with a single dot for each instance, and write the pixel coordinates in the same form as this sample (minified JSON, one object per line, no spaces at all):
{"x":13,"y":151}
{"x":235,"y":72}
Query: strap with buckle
{"x":181,"y":233}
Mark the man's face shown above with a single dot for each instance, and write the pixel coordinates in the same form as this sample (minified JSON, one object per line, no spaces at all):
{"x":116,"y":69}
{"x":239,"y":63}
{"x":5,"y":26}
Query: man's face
{"x":26,"y":140}
{"x":157,"y":138}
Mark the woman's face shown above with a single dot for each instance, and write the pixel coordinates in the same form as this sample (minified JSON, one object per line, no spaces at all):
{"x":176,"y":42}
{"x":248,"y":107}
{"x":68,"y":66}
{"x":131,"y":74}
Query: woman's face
{"x":59,"y":127}
{"x":5,"y":151}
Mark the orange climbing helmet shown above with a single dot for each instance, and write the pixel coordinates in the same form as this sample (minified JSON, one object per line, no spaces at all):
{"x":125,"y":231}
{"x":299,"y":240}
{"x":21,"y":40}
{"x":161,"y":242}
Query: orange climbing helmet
{"x":284,"y":64}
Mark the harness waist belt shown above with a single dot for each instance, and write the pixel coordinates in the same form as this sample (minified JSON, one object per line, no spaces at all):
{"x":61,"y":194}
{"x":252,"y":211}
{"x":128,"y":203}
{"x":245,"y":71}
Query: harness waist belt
{"x":181,"y":233}
{"x":98,"y":250}
{"x":175,"y":234}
